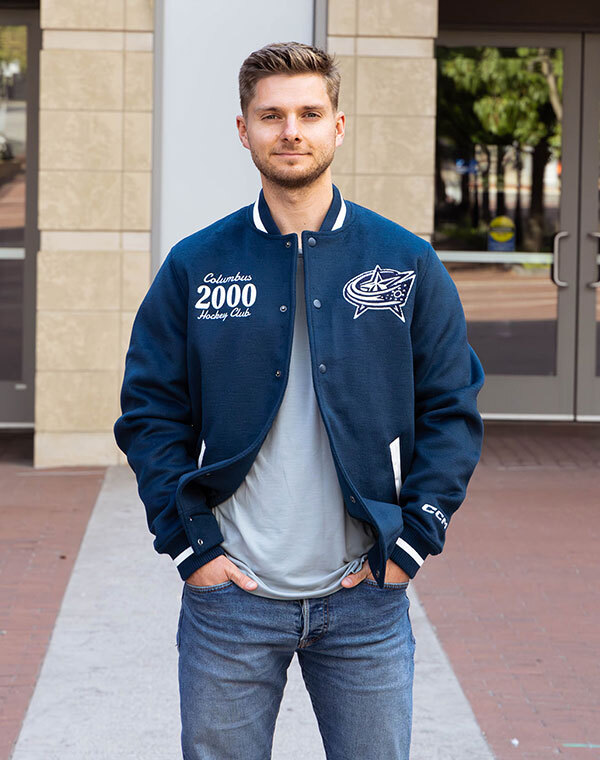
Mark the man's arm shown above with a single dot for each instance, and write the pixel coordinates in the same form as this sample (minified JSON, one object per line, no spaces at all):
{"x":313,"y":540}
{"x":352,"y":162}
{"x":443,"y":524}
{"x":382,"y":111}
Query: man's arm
{"x":155,"y":429}
{"x":448,"y":427}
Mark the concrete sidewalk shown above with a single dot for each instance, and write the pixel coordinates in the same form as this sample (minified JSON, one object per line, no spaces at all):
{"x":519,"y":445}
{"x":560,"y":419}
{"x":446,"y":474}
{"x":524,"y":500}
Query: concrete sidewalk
{"x":108,"y":684}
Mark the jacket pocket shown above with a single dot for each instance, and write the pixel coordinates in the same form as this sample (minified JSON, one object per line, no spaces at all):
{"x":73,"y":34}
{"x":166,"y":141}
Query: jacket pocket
{"x":201,"y":455}
{"x":396,"y":464}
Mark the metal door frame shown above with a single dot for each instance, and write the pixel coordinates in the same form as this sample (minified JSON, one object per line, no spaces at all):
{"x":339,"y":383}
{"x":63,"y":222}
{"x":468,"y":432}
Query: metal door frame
{"x":532,"y":396}
{"x":588,"y":383}
{"x":17,"y":398}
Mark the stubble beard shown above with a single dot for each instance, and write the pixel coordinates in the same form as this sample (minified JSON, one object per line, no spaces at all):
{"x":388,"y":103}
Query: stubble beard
{"x":293,"y":181}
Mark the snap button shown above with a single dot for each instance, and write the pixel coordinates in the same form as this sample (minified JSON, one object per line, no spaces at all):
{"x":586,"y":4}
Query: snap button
{"x":352,"y":499}
{"x":377,"y":573}
{"x":322,"y":368}
{"x":283,"y":307}
{"x":317,"y":303}
{"x":312,"y":242}
{"x":288,"y":243}
{"x":200,"y":541}
{"x":278,"y":373}
{"x":190,"y":519}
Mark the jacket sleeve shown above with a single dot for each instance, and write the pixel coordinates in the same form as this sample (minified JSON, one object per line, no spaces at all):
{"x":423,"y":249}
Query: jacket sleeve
{"x":155,"y":428}
{"x":448,"y":428}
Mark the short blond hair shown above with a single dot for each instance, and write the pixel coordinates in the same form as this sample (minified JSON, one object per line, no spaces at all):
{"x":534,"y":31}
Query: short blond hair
{"x":287,"y":58}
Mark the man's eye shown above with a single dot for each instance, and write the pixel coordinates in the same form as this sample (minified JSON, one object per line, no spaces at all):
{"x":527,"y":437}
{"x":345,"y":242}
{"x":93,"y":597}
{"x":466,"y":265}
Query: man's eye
{"x":270,"y":116}
{"x":313,"y":113}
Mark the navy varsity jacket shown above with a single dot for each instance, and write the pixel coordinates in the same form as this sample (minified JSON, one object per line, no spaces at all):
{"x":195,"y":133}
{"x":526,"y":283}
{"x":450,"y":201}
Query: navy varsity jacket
{"x":395,"y":378}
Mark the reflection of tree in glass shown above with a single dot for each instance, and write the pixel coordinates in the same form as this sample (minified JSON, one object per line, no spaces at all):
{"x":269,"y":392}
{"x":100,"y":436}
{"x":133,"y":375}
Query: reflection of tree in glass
{"x":13,"y":71}
{"x":509,"y":98}
{"x":13,"y":55}
{"x":13,"y":45}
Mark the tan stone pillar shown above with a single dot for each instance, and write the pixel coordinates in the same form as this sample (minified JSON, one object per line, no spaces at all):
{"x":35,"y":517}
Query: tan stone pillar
{"x":94,"y":218}
{"x":386,"y":52}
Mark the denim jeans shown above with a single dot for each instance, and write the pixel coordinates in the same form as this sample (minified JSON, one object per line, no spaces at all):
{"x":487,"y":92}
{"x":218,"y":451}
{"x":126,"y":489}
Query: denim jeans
{"x":356,"y":653}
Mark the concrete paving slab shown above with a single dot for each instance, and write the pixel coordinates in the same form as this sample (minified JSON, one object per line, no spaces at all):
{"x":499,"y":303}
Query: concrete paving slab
{"x":444,"y":726}
{"x":108,"y":685}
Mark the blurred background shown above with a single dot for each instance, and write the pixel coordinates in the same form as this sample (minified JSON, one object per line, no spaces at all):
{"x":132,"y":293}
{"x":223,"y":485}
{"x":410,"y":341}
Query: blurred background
{"x":476,"y":127}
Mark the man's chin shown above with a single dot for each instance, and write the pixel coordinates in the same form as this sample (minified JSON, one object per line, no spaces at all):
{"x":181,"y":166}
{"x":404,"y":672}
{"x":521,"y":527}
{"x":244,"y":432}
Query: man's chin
{"x":293,"y":180}
{"x":291,"y":177}
{"x":292,"y":183}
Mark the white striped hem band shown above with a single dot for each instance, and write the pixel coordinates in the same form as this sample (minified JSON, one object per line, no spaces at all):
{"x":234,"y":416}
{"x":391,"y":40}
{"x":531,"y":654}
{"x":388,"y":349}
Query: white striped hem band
{"x":410,"y":551}
{"x":184,"y":555}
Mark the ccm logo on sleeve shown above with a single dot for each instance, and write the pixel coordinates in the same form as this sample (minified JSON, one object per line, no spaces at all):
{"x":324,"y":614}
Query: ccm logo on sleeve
{"x":435,"y":511}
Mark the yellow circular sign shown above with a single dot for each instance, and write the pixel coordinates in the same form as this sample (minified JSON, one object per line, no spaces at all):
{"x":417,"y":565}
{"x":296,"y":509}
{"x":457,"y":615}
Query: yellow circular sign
{"x":502,"y":229}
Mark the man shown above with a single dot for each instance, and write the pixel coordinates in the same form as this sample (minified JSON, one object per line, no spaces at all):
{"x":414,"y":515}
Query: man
{"x":299,"y":407}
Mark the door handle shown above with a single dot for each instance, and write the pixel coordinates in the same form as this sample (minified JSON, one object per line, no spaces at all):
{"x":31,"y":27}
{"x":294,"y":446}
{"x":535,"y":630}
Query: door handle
{"x":554,"y":268}
{"x":596,"y":283}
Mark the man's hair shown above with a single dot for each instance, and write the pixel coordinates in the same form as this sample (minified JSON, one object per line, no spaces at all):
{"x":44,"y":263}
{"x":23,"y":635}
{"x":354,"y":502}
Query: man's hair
{"x":287,"y":58}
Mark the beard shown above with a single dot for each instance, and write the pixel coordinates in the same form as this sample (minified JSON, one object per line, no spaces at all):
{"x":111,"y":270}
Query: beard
{"x":294,"y":179}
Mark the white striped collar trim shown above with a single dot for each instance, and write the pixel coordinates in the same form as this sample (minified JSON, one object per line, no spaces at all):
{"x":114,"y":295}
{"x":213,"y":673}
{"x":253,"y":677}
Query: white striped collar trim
{"x":336,"y":226}
{"x":256,"y":216}
{"x":341,"y":216}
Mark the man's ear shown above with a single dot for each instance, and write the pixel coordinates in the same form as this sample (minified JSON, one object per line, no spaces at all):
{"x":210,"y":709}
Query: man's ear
{"x":340,"y":128}
{"x":242,"y":132}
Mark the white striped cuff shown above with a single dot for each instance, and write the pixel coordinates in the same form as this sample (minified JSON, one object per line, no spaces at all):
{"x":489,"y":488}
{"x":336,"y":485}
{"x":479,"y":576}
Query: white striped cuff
{"x":410,"y":551}
{"x":184,"y":555}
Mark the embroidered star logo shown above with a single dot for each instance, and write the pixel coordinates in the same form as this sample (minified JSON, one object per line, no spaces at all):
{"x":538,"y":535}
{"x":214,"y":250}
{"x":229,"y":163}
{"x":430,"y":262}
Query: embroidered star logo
{"x":380,"y":288}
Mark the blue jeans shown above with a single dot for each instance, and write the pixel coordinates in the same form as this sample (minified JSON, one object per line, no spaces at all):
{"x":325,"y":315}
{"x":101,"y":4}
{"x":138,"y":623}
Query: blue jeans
{"x":356,"y":652}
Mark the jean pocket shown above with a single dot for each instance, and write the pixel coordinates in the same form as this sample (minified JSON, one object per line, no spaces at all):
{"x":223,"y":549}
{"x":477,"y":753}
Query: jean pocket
{"x":207,"y":589}
{"x":399,"y":586}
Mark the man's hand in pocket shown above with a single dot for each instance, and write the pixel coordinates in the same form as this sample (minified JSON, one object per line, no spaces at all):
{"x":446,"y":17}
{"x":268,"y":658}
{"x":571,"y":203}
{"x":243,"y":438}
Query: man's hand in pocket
{"x":393,"y":574}
{"x":219,"y":570}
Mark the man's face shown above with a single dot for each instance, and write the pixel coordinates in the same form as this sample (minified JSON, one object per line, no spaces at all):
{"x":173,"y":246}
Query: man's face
{"x":291,"y":129}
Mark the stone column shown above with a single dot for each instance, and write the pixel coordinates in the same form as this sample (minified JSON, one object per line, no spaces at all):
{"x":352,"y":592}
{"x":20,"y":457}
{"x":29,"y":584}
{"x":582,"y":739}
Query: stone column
{"x":386,"y":54}
{"x":94,"y":218}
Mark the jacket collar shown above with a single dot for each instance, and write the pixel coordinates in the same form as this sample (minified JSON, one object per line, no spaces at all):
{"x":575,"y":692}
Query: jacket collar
{"x":334,"y":218}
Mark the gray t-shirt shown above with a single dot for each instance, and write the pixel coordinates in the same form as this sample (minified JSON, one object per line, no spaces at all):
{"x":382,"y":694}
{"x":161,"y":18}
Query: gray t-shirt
{"x":286,"y":526}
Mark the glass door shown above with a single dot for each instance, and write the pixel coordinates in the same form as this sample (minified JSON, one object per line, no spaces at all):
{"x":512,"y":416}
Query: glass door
{"x":19,"y":46}
{"x":507,"y":209}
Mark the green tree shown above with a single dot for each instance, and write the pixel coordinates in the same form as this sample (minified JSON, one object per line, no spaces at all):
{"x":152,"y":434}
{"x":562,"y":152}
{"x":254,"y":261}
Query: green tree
{"x":503,"y":97}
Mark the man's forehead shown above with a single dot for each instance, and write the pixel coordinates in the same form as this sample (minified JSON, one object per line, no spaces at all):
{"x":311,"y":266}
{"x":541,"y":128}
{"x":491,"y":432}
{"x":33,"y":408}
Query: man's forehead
{"x":286,"y":89}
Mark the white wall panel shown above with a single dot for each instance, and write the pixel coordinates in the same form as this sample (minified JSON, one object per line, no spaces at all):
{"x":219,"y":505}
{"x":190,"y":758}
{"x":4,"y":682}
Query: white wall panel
{"x":201,"y":170}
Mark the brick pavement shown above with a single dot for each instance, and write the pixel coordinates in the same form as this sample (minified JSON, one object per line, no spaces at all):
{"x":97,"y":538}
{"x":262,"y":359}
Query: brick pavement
{"x":43,"y":516}
{"x":515,"y":596}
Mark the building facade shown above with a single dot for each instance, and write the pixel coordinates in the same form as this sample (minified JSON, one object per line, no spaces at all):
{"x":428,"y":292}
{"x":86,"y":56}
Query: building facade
{"x":477,"y":129}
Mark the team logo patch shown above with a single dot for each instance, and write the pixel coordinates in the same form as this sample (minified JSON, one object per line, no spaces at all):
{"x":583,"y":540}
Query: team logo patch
{"x":380,"y":288}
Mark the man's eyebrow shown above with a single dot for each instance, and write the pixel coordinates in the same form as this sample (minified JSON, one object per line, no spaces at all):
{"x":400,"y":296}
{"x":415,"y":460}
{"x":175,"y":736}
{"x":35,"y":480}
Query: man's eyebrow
{"x":320,"y":107}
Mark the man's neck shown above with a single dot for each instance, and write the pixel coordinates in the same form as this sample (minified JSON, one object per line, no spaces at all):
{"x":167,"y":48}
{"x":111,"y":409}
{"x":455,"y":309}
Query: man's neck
{"x":296,"y":210}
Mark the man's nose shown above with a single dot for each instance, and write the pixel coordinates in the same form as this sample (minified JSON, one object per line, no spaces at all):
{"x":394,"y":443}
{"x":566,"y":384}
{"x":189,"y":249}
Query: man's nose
{"x":290,"y":129}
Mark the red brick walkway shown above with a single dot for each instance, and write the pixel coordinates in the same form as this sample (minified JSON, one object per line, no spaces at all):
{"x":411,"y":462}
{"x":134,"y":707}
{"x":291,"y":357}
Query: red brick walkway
{"x":43,"y":516}
{"x":515,"y":595}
